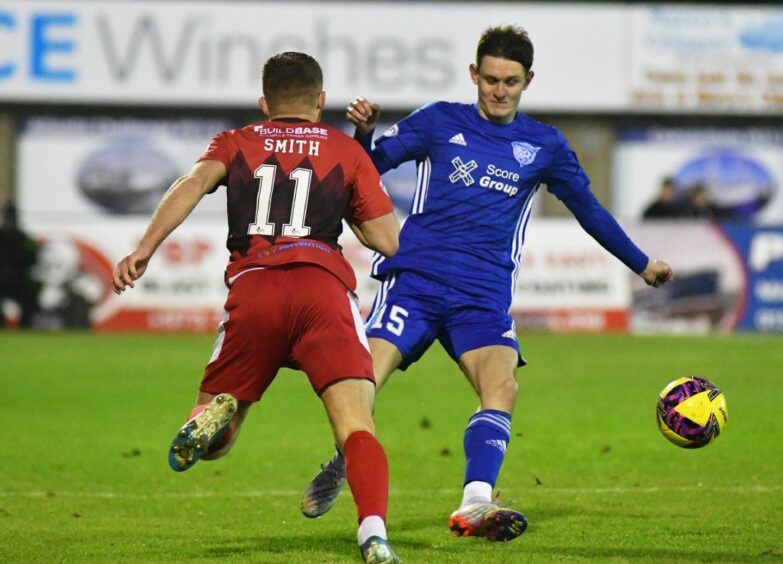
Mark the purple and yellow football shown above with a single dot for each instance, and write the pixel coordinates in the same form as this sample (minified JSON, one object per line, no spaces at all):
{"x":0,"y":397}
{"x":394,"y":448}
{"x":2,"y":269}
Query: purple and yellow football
{"x":691,"y":412}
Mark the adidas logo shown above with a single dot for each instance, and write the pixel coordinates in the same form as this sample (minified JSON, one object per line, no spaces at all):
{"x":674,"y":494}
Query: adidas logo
{"x":510,"y":334}
{"x":500,"y":445}
{"x":458,"y":139}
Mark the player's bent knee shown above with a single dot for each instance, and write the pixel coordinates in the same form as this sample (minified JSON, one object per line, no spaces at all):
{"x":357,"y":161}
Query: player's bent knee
{"x":500,"y":394}
{"x":511,"y":388}
{"x":341,"y":435}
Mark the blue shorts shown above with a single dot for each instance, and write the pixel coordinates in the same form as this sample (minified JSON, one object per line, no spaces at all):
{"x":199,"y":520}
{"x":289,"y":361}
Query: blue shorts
{"x":411,"y":311}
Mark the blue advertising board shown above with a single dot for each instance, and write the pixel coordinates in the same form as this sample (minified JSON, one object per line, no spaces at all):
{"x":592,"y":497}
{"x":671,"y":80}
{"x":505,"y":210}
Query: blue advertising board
{"x":761,"y":250}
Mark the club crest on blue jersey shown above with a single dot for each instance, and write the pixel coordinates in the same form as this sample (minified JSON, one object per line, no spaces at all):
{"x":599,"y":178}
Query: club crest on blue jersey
{"x":524,"y":153}
{"x":392,"y":131}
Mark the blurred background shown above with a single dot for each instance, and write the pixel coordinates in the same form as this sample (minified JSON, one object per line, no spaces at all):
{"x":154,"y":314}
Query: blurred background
{"x":675,"y":111}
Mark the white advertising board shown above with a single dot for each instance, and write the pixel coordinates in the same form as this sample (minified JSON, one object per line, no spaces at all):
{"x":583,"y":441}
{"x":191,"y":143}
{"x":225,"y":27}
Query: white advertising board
{"x":182,"y":290}
{"x":211,"y":53}
{"x":568,"y":282}
{"x":73,"y":170}
{"x":707,"y":59}
{"x":600,"y":58}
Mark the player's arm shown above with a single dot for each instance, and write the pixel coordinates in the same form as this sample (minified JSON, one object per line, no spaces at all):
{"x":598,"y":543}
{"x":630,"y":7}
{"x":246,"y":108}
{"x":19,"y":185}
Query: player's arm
{"x":408,"y":140}
{"x":177,"y":203}
{"x":371,"y":213}
{"x":359,"y":235}
{"x":566,"y":180}
{"x":381,"y":234}
{"x":364,"y":116}
{"x":602,"y":227}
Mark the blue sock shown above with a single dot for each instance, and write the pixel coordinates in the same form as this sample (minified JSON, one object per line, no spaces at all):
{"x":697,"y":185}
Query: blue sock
{"x":485,"y":444}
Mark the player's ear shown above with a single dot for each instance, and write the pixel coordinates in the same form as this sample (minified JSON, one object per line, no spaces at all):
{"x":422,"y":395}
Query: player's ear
{"x":321,"y":100}
{"x":474,"y":74}
{"x":262,"y":103}
{"x":528,"y":79}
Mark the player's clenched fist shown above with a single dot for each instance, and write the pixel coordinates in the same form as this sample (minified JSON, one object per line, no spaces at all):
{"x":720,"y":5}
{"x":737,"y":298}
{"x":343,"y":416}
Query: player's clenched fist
{"x":127,"y":270}
{"x":657,"y":273}
{"x":363,"y":114}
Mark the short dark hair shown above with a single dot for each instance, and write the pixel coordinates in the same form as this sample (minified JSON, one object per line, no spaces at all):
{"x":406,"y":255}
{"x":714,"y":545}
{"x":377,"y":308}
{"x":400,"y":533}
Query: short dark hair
{"x":291,"y":75}
{"x":507,"y":42}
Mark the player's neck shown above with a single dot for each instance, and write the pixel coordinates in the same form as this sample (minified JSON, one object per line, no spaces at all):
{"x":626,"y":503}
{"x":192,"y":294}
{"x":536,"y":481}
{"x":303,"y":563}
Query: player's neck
{"x":303,"y":117}
{"x":313,"y":115}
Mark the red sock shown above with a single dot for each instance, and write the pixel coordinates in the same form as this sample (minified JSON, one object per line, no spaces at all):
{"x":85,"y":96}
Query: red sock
{"x":367,"y":472}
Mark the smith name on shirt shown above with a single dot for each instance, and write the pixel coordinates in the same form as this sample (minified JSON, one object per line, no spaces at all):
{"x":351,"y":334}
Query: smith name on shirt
{"x":300,"y":146}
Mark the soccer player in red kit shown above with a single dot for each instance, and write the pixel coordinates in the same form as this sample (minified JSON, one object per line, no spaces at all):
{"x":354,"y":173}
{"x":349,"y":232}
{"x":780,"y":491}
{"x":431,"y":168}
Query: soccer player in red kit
{"x":290,"y":182}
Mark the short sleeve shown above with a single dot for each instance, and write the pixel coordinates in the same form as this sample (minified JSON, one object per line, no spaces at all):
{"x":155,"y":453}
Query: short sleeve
{"x":565,"y":175}
{"x":370,"y":199}
{"x":407,"y":140}
{"x":221,"y":148}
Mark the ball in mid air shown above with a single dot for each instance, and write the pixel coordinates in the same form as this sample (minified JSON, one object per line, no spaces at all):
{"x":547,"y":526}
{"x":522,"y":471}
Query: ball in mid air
{"x":691,"y":412}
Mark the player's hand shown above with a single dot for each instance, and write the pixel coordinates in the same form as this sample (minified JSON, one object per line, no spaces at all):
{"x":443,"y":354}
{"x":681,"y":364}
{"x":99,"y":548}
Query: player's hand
{"x":128,"y":270}
{"x":657,"y":273}
{"x":363,"y":114}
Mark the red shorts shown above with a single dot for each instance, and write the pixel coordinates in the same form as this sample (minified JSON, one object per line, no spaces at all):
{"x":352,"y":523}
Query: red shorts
{"x":299,"y":316}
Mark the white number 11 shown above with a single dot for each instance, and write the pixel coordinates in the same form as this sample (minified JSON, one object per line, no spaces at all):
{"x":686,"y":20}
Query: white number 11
{"x":266,"y":182}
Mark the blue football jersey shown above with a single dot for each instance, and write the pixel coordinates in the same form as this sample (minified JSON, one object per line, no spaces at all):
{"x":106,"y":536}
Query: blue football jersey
{"x":475,"y":186}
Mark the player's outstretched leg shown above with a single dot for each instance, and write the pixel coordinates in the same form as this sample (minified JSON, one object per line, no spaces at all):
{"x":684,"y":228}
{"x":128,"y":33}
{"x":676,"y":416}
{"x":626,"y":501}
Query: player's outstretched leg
{"x":322,"y":491}
{"x":485,"y":441}
{"x":205,"y":430}
{"x":487,"y":520}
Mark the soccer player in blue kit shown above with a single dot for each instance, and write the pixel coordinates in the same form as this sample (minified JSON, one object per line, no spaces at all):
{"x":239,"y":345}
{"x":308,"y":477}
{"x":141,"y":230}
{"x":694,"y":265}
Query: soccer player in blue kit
{"x":453,"y":277}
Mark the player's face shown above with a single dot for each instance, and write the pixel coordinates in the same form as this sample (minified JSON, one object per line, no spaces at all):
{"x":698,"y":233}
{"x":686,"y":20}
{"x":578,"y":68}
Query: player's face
{"x":500,"y":85}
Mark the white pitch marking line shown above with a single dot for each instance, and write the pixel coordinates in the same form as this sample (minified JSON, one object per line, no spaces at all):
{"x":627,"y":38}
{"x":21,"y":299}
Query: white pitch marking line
{"x":758,"y":489}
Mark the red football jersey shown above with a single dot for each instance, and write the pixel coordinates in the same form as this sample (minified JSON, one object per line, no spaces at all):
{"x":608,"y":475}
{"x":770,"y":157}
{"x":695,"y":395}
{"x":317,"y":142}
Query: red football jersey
{"x":289,"y":185}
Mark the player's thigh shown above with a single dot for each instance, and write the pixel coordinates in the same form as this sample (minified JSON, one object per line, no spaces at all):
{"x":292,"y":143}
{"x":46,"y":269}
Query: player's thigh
{"x":329,"y":343}
{"x":348,"y":405}
{"x":386,"y":358}
{"x":253,"y":340}
{"x":409,"y":317}
{"x":478,"y":325}
{"x":491,"y":370}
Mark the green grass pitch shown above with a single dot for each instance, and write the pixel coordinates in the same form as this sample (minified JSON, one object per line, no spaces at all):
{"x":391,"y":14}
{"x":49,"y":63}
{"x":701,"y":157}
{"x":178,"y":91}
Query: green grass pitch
{"x":86,"y":422}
